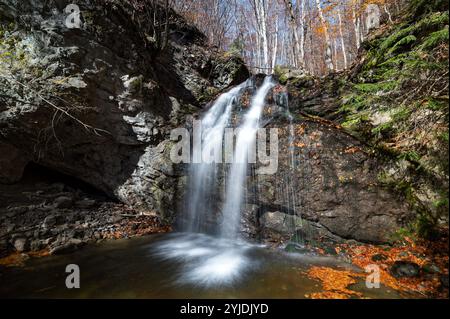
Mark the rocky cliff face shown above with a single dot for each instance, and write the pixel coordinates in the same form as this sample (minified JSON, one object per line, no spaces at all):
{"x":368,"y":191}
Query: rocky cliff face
{"x":394,"y":100}
{"x":97,"y":102}
{"x":326,"y":188}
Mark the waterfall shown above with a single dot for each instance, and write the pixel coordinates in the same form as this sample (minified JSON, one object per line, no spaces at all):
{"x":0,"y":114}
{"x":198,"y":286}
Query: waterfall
{"x":203,"y":170}
{"x":238,"y":172}
{"x":219,"y":259}
{"x":291,"y":185}
{"x":207,"y":153}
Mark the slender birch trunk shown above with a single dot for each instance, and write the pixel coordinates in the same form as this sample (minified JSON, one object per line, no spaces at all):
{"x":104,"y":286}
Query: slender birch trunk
{"x":328,"y":51}
{"x":341,"y":33}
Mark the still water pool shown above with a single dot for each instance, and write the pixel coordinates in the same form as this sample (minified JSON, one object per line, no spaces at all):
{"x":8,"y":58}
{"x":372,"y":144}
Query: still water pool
{"x":174,"y":266}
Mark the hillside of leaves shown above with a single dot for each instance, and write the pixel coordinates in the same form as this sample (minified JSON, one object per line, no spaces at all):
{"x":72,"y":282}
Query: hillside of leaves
{"x":395,"y":99}
{"x":398,"y":101}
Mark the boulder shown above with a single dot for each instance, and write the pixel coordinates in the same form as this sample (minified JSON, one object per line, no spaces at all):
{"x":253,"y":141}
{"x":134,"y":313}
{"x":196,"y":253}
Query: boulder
{"x":121,"y":98}
{"x":402,"y":269}
{"x":20,"y":244}
{"x":431,"y":269}
{"x":332,"y":184}
{"x":379,"y":257}
{"x":63,"y":202}
{"x":66,"y":247}
{"x":12,"y":163}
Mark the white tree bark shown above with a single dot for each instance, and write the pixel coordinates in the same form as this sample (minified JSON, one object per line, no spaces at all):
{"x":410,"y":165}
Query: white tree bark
{"x":388,"y":13}
{"x":341,"y":33}
{"x":275,"y":45}
{"x":260,"y":9}
{"x":298,"y":55}
{"x":302,"y":33}
{"x":356,"y":25}
{"x":328,"y":51}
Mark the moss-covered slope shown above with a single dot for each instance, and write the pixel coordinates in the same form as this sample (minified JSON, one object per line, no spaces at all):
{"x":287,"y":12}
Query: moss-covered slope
{"x":395,"y":99}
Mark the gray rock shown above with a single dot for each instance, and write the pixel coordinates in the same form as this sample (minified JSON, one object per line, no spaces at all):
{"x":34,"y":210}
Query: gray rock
{"x":296,"y":248}
{"x":3,"y":247}
{"x":12,"y":163}
{"x":20,"y":244}
{"x":431,"y":269}
{"x":133,"y":103}
{"x":444,"y":281}
{"x":280,"y":222}
{"x":114,"y":219}
{"x":379,"y":257}
{"x":36,"y":245}
{"x":335,"y":185}
{"x":402,"y":269}
{"x":66,"y":247}
{"x":49,"y":222}
{"x":85,"y":203}
{"x":63,"y":202}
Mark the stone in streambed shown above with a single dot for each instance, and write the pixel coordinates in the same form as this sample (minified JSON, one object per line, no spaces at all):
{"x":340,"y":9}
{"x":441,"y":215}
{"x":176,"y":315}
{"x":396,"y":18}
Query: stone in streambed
{"x":431,"y":269}
{"x":36,"y":245}
{"x":49,"y":222}
{"x":444,"y":281}
{"x":3,"y":247}
{"x":401,"y":269}
{"x":85,"y":203}
{"x":296,"y":248}
{"x":68,"y":247}
{"x":20,"y":244}
{"x":379,"y":257}
{"x":63,"y":202}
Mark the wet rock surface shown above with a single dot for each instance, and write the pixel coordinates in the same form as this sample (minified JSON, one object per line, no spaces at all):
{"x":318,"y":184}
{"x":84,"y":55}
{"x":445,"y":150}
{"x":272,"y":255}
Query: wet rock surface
{"x":101,"y":100}
{"x":102,"y":110}
{"x":56,"y":218}
{"x":405,"y":269}
{"x":331,"y":188}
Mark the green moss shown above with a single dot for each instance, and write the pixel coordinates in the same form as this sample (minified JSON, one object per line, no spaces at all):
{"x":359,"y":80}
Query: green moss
{"x":411,"y":156}
{"x":383,"y":128}
{"x":395,"y":66}
{"x":435,"y":39}
{"x":376,"y":87}
{"x":435,"y":104}
{"x":441,"y":203}
{"x":209,"y":94}
{"x":406,"y":41}
{"x":352,"y":103}
{"x":420,"y":7}
{"x":421,"y":227}
{"x":355,"y":121}
{"x":280,"y":70}
{"x":406,"y":35}
{"x":395,"y":38}
{"x":444,"y":137}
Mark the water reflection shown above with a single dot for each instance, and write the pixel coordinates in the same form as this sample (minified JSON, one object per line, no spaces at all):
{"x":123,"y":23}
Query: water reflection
{"x":205,"y":260}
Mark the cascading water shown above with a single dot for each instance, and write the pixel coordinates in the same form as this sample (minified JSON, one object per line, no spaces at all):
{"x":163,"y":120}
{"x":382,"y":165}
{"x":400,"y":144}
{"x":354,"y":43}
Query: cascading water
{"x":238,"y":172}
{"x":207,"y":152}
{"x":222,"y":259}
{"x":290,"y":191}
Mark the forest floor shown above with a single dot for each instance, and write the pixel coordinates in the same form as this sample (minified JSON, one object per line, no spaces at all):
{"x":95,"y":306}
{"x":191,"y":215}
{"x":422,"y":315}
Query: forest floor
{"x":47,"y":215}
{"x":426,"y":274}
{"x":44,"y":216}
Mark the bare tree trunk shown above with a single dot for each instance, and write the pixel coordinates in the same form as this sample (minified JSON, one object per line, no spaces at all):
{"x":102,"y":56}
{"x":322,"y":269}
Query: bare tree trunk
{"x":356,"y":25}
{"x":328,"y":54}
{"x":302,"y":33}
{"x":388,"y":13}
{"x":259,"y":7}
{"x":335,"y":54}
{"x":275,"y":46}
{"x":341,"y":33}
{"x":298,"y":56}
